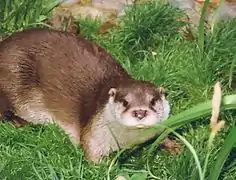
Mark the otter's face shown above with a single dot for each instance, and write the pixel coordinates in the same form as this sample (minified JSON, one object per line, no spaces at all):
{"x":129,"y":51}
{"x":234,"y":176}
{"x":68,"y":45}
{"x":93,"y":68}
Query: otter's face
{"x":138,"y":106}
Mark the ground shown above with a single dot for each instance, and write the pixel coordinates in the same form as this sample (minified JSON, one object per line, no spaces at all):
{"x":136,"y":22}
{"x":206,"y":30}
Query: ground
{"x":150,"y":45}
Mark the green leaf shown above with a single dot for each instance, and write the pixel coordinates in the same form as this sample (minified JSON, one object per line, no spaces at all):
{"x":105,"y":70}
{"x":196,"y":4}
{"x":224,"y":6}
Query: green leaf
{"x":123,"y":177}
{"x":230,"y":141}
{"x":201,"y":35}
{"x":139,"y":176}
{"x":41,"y":18}
{"x":195,"y":113}
{"x":198,"y":111}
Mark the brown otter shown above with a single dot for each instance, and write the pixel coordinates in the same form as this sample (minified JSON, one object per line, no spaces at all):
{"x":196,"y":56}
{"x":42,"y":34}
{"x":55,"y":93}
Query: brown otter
{"x":49,"y":76}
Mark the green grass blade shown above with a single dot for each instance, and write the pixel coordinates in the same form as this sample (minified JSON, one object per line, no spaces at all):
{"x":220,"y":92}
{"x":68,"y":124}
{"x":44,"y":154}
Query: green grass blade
{"x":230,"y":141}
{"x":113,"y":162}
{"x":231,"y":72}
{"x":201,"y":26}
{"x":192,"y":150}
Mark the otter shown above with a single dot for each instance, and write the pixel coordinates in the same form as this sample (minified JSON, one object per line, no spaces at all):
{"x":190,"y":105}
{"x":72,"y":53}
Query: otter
{"x":50,"y":76}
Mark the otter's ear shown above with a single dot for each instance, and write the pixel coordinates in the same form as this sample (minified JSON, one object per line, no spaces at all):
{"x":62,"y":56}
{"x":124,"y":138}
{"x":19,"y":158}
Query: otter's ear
{"x":112,"y":92}
{"x":162,"y":91}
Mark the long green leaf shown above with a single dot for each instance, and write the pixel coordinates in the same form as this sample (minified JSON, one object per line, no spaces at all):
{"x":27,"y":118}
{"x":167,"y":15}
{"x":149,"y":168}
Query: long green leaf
{"x":201,"y":35}
{"x":195,"y":113}
{"x":230,"y":141}
{"x":198,"y":111}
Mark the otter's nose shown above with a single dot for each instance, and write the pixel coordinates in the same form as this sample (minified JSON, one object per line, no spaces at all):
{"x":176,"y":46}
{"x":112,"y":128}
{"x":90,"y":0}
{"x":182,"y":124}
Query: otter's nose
{"x":140,"y":114}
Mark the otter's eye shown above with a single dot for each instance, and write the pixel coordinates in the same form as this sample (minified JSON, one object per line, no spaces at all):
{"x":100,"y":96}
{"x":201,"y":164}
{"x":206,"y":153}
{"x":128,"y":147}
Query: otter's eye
{"x":166,"y":94}
{"x":124,"y":102}
{"x":153,"y":101}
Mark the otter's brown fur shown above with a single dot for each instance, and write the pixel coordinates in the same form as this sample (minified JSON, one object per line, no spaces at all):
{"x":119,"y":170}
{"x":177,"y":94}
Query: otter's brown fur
{"x":46,"y":73}
{"x":70,"y":79}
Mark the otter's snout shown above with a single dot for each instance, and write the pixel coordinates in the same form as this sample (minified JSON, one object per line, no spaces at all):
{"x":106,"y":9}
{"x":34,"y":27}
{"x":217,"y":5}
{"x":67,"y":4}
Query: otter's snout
{"x":140,"y":113}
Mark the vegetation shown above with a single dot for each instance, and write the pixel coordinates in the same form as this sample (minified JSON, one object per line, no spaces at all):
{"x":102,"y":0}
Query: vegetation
{"x":150,"y":45}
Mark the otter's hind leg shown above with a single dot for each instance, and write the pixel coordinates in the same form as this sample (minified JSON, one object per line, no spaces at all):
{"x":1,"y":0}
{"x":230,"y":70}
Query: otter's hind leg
{"x":6,"y":113}
{"x":14,"y":119}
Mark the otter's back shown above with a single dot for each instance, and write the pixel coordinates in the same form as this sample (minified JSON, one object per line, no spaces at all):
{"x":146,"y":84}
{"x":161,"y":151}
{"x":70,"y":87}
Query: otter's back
{"x":63,"y":67}
{"x":61,"y":53}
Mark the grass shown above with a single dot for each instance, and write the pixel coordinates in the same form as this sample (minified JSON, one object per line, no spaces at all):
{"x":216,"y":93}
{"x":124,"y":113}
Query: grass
{"x":149,"y":46}
{"x":16,"y":15}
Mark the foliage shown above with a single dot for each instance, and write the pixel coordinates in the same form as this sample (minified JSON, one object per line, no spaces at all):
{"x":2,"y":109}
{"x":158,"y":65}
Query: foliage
{"x":16,"y":15}
{"x":149,"y":46}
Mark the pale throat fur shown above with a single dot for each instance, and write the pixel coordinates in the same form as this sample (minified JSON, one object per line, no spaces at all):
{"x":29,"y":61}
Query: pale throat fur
{"x":112,"y":129}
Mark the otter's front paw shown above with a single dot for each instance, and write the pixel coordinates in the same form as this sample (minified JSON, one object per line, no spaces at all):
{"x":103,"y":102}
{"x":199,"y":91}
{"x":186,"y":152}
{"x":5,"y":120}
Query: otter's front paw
{"x":93,"y":157}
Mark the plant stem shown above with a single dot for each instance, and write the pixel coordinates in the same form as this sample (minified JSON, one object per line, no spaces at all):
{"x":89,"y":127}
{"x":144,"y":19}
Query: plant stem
{"x":209,"y":146}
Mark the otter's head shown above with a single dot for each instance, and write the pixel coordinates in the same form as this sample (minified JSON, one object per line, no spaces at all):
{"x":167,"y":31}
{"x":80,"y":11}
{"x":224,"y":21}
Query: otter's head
{"x":138,"y":104}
